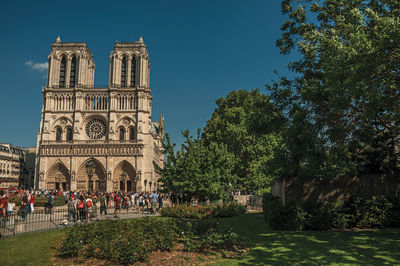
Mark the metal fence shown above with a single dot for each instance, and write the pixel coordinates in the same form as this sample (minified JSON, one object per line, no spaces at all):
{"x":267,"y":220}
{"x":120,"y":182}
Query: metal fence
{"x":45,"y":220}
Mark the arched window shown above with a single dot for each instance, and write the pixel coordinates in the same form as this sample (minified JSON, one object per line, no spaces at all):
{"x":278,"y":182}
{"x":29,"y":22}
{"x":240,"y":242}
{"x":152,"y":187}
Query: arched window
{"x":133,"y":72}
{"x":62,"y":72}
{"x":122,"y":133}
{"x":72,"y":80}
{"x":123,"y":72}
{"x":58,"y":134}
{"x":69,"y":134}
{"x":131,"y":133}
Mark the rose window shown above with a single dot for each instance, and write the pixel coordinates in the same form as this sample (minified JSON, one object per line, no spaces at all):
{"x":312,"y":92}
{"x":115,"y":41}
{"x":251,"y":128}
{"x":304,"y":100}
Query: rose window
{"x":96,"y":129}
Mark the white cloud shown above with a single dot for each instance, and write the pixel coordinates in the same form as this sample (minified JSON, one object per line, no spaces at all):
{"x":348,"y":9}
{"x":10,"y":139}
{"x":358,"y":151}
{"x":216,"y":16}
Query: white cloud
{"x":41,"y":67}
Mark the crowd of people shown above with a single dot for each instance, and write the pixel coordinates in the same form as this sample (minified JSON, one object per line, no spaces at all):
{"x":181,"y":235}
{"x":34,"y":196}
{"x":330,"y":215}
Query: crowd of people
{"x":83,"y":206}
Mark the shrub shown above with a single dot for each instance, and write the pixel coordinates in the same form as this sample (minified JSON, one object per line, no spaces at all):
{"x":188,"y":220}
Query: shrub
{"x":377,"y":211}
{"x":204,"y":211}
{"x":130,"y":241}
{"x":124,"y":241}
{"x":206,"y":235}
{"x":287,"y":217}
{"x":271,"y":205}
{"x":373,"y":212}
{"x":230,"y":209}
{"x":326,"y":215}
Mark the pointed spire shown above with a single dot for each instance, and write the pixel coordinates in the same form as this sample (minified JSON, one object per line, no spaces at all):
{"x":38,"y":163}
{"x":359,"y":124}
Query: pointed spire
{"x":58,"y":40}
{"x":141,"y":39}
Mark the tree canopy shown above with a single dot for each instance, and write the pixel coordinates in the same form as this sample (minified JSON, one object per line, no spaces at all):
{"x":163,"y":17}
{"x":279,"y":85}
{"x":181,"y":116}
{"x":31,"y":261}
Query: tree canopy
{"x":346,"y":90}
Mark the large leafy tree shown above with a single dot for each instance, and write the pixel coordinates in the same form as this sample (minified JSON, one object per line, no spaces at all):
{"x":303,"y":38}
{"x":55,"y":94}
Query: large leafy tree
{"x":346,"y":93}
{"x":248,"y":124}
{"x":196,"y":169}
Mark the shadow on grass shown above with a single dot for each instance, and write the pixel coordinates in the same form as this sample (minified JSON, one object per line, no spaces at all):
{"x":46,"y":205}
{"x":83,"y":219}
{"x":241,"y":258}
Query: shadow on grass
{"x":267,"y":246}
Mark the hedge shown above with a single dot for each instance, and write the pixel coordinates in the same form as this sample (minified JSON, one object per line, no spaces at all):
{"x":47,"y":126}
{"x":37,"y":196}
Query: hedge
{"x":130,"y":241}
{"x":356,"y":212}
{"x":229,"y":209}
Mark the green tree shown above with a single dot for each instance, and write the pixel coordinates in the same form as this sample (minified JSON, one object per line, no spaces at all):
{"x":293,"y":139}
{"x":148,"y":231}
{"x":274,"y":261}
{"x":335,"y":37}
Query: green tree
{"x":196,"y":169}
{"x":249,"y":125}
{"x":345,"y":96}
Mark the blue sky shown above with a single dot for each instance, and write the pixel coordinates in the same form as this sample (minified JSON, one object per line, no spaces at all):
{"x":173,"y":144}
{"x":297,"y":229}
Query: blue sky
{"x":199,"y":51}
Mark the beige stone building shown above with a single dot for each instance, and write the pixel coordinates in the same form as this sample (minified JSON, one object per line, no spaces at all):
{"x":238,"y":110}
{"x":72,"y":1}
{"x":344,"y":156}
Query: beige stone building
{"x":98,"y":138}
{"x":13,"y":171}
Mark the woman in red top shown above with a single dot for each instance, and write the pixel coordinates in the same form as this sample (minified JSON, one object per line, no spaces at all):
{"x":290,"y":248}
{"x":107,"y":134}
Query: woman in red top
{"x":31,"y":202}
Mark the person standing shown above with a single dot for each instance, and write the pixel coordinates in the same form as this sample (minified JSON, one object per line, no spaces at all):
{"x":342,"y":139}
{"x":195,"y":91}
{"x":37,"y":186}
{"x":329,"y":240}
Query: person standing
{"x":50,"y":202}
{"x":154,"y":201}
{"x":10,"y":207}
{"x":141,"y":203}
{"x":24,"y":207}
{"x":81,"y":208}
{"x":3,"y":203}
{"x":89,"y":208}
{"x":160,"y":201}
{"x":31,"y":203}
{"x":72,"y":211}
{"x":118,"y":202}
{"x":132,"y":200}
{"x":103,"y":204}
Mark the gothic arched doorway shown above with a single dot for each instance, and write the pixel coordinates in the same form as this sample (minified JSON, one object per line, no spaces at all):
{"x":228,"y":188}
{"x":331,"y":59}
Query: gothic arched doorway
{"x":91,"y":176}
{"x":58,"y":177}
{"x":124,"y":178}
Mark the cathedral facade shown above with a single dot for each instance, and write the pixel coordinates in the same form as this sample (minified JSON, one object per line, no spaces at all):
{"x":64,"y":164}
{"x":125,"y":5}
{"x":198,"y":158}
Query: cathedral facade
{"x":98,"y":137}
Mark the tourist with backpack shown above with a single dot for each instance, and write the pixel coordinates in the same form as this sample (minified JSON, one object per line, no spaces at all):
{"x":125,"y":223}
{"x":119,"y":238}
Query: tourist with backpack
{"x":89,"y":207}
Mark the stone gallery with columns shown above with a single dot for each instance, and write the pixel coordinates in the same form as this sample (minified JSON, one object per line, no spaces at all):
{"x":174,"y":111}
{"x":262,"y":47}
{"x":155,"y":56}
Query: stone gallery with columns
{"x":98,"y":137}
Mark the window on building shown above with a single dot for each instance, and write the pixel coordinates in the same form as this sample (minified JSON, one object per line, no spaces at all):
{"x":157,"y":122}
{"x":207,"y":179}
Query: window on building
{"x":131,"y":133}
{"x":58,"y":134}
{"x":121,"y":133}
{"x":72,"y":80}
{"x":69,"y":134}
{"x":123,"y":72}
{"x":133,"y":72}
{"x":62,"y":72}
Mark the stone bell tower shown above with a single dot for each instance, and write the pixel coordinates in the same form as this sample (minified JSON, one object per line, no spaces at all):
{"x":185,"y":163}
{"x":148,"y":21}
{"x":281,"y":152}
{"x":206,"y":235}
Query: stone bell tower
{"x":70,"y":65}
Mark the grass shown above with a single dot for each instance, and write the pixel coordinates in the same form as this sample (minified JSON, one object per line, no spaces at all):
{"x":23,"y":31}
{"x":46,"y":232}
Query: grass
{"x":264,"y":246}
{"x":30,"y":249}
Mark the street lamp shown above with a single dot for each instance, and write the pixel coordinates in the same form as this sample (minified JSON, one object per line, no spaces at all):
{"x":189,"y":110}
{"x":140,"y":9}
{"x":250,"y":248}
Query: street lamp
{"x":90,"y":168}
{"x":145,"y":182}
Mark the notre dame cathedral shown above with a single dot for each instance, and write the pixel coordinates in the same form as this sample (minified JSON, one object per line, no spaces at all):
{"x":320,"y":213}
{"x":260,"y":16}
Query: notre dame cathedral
{"x":98,"y":137}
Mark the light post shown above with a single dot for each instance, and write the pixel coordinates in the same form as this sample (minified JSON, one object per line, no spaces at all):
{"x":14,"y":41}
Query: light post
{"x":145,"y":183}
{"x":150,"y":183}
{"x":90,"y":168}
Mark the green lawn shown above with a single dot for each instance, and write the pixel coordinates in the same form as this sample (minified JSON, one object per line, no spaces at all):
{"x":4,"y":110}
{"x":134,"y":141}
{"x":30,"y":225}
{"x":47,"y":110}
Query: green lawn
{"x":263,"y":246}
{"x":286,"y":247}
{"x":29,"y":249}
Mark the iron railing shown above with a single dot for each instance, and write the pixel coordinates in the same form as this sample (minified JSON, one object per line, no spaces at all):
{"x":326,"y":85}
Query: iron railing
{"x":44,"y":220}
